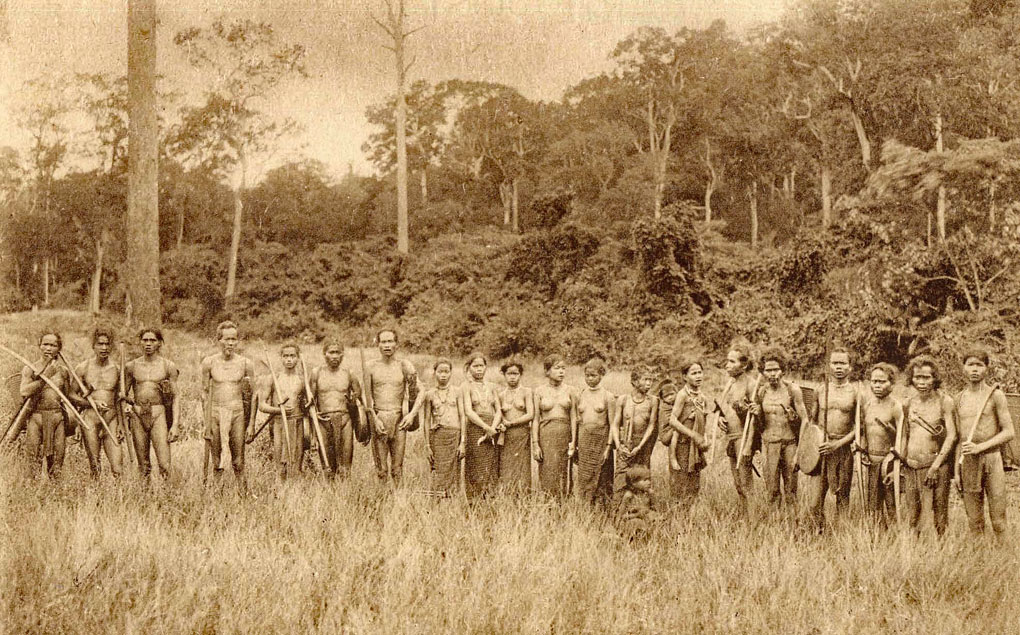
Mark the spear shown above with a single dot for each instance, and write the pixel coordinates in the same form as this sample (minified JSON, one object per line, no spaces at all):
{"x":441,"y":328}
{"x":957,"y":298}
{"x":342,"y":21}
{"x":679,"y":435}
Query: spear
{"x":88,"y":398}
{"x":279,"y":401}
{"x":121,"y":420}
{"x":24,"y":411}
{"x":313,"y":414}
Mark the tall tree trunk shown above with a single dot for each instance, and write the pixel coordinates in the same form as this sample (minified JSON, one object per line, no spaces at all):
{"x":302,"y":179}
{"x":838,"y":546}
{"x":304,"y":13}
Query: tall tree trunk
{"x":424,"y":187}
{"x":235,"y":233}
{"x":506,"y":197}
{"x":940,"y":210}
{"x":862,"y":139}
{"x":753,"y":194}
{"x":515,"y":223}
{"x":793,"y":182}
{"x":826,"y":197}
{"x":46,"y":280}
{"x":97,"y":275}
{"x":403,"y":241}
{"x":710,"y":185}
{"x":180,"y":228}
{"x":142,"y":244}
{"x":991,"y":206}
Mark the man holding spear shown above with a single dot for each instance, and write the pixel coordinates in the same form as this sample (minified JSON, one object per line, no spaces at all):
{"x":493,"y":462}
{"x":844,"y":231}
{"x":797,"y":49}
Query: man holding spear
{"x":336,"y":389}
{"x":152,"y":379}
{"x":227,"y":386}
{"x":98,"y":383}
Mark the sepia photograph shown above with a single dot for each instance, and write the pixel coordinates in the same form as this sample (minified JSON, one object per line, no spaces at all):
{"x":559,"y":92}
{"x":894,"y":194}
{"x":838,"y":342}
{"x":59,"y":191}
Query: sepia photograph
{"x":510,"y":316}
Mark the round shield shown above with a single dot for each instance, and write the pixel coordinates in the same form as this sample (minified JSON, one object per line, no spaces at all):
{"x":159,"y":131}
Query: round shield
{"x":807,"y":452}
{"x":359,"y":420}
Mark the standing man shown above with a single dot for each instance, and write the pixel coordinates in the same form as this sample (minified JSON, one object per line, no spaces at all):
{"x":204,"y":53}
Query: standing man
{"x":45,"y":428}
{"x":389,"y":382}
{"x":335,"y":390}
{"x":836,"y":408}
{"x":226,"y":389}
{"x":152,"y":378}
{"x":102,"y":380}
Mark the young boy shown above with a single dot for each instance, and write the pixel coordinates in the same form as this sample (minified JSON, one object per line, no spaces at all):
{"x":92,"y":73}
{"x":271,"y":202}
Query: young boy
{"x":227,"y":385}
{"x":335,"y":390}
{"x":152,"y":378}
{"x":102,"y":379}
{"x":881,"y":415}
{"x":985,"y":426}
{"x":930,"y":433}
{"x":636,"y":512}
{"x":288,"y":441}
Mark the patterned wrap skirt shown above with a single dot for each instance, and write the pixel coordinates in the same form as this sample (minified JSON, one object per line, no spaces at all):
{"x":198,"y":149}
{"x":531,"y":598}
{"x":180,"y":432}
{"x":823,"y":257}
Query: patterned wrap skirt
{"x":515,"y":459}
{"x":591,"y":445}
{"x":481,"y":462}
{"x":445,"y":463}
{"x":553,"y":439}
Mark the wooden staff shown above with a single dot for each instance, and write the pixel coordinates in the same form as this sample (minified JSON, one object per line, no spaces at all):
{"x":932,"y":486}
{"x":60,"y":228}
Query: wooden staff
{"x":88,"y":398}
{"x":715,"y":422}
{"x":313,"y":414}
{"x":745,"y":436}
{"x":279,"y":401}
{"x":52,"y":384}
{"x":123,"y":399}
{"x":977,"y":420}
{"x":366,"y":394}
{"x":896,"y":468}
{"x":858,"y":459}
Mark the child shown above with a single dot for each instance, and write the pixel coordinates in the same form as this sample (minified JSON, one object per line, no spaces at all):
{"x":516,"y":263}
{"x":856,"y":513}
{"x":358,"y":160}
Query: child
{"x":986,"y":426}
{"x":636,"y":513}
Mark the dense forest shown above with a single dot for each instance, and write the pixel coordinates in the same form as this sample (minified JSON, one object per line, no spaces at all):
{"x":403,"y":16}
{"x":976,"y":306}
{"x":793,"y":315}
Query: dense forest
{"x":848,"y":172}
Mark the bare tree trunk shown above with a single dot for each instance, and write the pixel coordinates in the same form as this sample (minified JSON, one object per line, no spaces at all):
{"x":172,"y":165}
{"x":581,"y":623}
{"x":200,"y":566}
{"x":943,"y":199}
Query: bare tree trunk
{"x":826,"y":197}
{"x":754,"y":214}
{"x":862,"y":139}
{"x":991,"y":207}
{"x":506,"y":197}
{"x":97,"y":275}
{"x":710,"y":185}
{"x":424,"y":187}
{"x":399,"y":35}
{"x":142,"y":244}
{"x":180,"y":228}
{"x":940,"y":210}
{"x":515,"y":222}
{"x":46,"y":280}
{"x":235,"y":233}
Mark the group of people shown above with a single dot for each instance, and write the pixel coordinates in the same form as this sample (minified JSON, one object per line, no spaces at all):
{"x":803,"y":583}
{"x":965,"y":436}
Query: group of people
{"x":902,"y":453}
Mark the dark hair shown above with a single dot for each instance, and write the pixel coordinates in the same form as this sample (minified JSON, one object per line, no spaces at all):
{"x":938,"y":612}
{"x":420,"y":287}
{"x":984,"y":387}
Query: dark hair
{"x":60,"y":340}
{"x":688,"y":364}
{"x":286,"y":345}
{"x":638,"y":372}
{"x":512,"y":363}
{"x":743,"y":351}
{"x":890,"y":371}
{"x":772,"y":354}
{"x":155,"y":331}
{"x":551,"y":360}
{"x":636,"y":473}
{"x":379,"y":333}
{"x":101,"y":331}
{"x":332,"y":341}
{"x":924,"y":360}
{"x":667,"y":386}
{"x":841,"y":349}
{"x":977,"y":353}
{"x":597,"y":364}
{"x":223,"y":326}
{"x":471,"y":359}
{"x":440,"y":362}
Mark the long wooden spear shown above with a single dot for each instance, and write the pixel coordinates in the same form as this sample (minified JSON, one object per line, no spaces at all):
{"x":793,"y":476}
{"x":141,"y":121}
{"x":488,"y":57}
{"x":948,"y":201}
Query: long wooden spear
{"x":88,"y":398}
{"x":52,"y":384}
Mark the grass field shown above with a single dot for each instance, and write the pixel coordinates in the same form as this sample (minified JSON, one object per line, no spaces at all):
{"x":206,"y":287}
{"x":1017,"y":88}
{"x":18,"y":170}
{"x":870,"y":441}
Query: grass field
{"x":353,"y":557}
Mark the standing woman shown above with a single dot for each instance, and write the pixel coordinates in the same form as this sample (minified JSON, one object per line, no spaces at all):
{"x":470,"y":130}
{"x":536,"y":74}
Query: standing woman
{"x":443,"y":425}
{"x":596,"y":415}
{"x":518,"y":405}
{"x":481,"y":425}
{"x":553,"y":434}
{"x":637,"y":422}
{"x":734,"y":404}
{"x":687,"y":427}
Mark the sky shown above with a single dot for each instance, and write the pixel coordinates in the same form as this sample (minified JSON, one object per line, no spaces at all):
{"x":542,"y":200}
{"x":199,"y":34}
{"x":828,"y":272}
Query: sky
{"x":540,"y":47}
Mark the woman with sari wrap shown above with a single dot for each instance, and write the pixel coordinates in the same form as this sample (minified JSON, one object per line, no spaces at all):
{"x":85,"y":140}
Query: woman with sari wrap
{"x":518,"y":413}
{"x":687,"y":428}
{"x":443,"y":424}
{"x":596,"y":415}
{"x":552,"y":440}
{"x":482,"y":423}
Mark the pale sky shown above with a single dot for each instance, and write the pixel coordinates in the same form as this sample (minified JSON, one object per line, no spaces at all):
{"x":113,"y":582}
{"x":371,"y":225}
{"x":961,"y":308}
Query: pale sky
{"x":540,"y":47}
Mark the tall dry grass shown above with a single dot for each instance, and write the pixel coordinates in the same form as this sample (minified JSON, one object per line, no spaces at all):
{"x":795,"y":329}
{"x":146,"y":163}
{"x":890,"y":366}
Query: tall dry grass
{"x":352,"y":556}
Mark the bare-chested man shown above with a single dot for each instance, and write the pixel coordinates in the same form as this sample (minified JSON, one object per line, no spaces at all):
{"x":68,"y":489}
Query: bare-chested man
{"x":930,"y":433}
{"x":152,"y":379}
{"x":289,"y":442}
{"x":779,"y":404}
{"x":881,"y":415}
{"x":226,"y":388}
{"x":389,"y":381}
{"x":335,"y":390}
{"x":102,"y":380}
{"x":45,"y":428}
{"x":836,"y":416}
{"x":985,"y":427}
